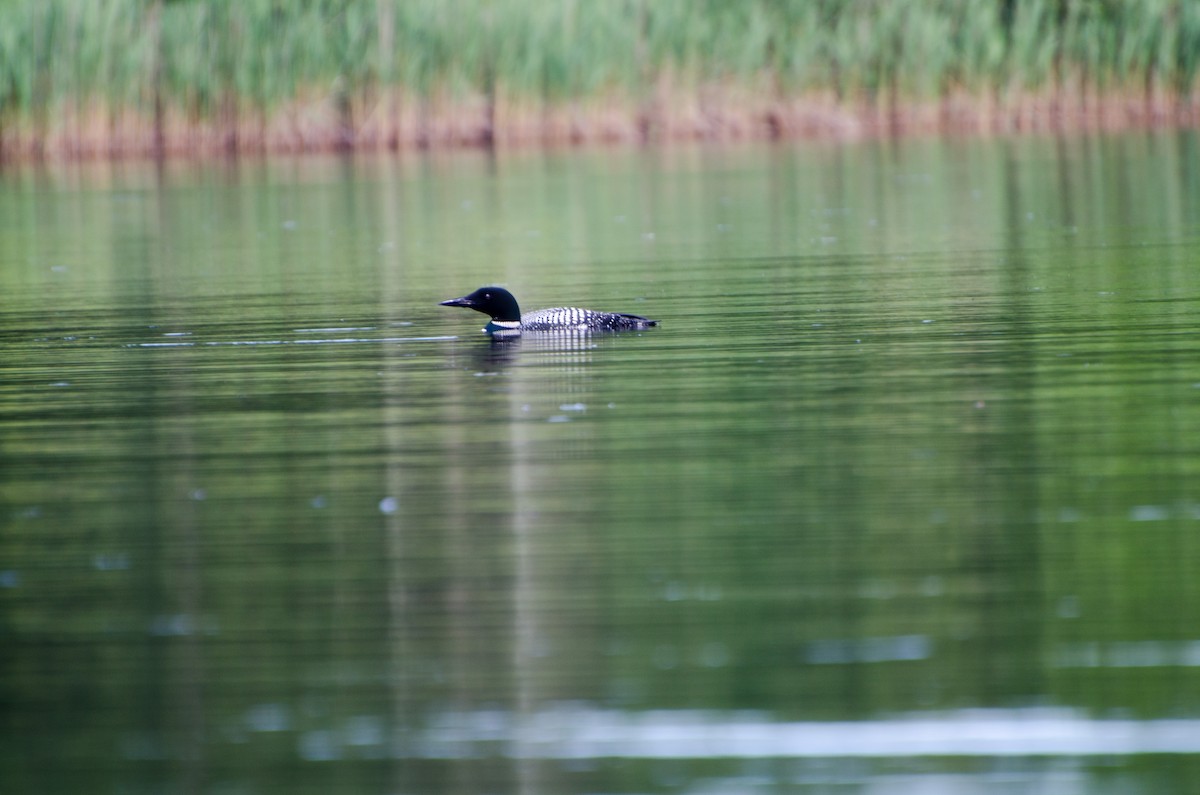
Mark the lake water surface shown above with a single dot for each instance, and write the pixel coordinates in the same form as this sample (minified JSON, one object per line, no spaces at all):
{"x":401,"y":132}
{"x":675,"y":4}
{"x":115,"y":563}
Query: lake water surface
{"x":902,"y":496}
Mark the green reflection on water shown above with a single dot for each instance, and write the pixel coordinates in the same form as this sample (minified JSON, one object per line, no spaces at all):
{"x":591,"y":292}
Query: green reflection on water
{"x":916,"y":435}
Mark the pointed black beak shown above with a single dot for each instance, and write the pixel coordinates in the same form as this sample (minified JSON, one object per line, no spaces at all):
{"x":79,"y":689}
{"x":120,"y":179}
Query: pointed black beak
{"x":464,"y":301}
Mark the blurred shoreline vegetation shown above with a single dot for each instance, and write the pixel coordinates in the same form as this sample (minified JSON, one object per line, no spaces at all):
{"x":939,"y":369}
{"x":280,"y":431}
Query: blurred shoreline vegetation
{"x":92,"y":78}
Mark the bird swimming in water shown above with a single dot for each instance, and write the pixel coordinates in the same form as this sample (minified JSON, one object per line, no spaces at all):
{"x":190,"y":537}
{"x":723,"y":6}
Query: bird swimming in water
{"x":507,"y":320}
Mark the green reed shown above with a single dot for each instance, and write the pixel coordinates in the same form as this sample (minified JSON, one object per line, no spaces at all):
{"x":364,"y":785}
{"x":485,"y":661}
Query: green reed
{"x":205,"y":59}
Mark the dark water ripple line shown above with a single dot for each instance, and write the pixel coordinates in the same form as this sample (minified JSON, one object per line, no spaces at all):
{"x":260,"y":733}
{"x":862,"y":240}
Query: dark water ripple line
{"x":250,"y":343}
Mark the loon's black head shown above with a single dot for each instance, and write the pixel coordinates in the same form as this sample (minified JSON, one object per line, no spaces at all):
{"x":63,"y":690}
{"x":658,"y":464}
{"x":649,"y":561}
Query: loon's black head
{"x":495,"y":302}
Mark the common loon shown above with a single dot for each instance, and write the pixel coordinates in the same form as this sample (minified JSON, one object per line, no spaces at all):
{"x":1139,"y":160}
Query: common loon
{"x":507,"y":320}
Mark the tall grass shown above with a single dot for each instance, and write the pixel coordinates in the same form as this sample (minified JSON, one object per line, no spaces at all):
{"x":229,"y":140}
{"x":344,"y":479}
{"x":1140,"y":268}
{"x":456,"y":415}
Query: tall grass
{"x":322,"y":72}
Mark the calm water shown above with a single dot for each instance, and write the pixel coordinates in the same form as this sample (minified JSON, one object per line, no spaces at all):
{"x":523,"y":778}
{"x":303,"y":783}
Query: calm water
{"x":903,"y":495}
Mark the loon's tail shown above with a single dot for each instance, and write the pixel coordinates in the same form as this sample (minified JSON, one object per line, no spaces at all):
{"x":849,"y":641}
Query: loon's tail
{"x":637,"y":321}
